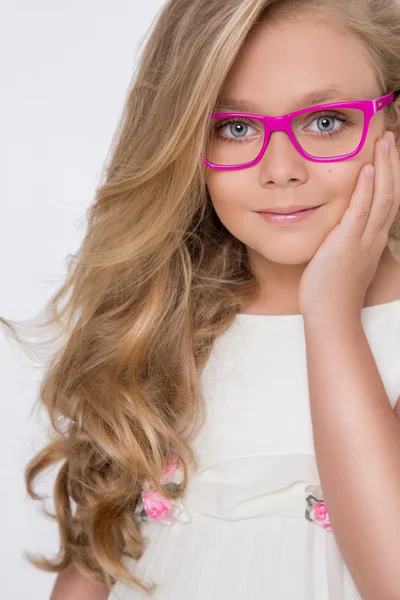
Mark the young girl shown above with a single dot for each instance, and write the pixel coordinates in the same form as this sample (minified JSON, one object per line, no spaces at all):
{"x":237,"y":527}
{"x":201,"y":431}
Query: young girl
{"x":224,"y":404}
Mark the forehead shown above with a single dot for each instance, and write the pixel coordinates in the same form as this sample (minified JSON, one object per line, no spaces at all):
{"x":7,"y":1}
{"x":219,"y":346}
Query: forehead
{"x":286,"y":66}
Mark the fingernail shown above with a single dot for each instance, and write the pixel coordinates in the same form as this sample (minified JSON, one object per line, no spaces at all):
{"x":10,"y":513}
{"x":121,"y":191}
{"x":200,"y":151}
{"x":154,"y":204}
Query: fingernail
{"x":385,"y":147}
{"x":390,"y":138}
{"x":369,"y":172}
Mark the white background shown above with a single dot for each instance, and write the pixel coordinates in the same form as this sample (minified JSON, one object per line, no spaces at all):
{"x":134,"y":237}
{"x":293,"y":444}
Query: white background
{"x":65,"y":68}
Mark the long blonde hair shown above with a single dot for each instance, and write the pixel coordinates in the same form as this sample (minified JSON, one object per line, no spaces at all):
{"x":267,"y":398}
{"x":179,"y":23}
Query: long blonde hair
{"x":156,"y":279}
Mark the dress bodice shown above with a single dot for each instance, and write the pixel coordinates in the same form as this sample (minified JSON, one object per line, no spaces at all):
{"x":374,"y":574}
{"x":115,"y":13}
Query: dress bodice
{"x":255,"y":450}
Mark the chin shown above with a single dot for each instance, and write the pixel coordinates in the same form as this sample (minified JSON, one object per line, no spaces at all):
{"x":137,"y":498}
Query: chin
{"x":296,"y":256}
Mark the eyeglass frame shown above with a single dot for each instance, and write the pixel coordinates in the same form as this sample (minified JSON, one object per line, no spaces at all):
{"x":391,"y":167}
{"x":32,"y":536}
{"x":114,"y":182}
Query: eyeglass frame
{"x":284,"y":123}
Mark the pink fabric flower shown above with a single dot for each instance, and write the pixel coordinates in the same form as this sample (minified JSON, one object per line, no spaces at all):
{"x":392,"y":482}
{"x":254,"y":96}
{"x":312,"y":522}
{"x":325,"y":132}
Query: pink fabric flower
{"x":156,"y":507}
{"x":155,"y":504}
{"x":316,"y":508}
{"x":171,"y":467}
{"x":321,"y":515}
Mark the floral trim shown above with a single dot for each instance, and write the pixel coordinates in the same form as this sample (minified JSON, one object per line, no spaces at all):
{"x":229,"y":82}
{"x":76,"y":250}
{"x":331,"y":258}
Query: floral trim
{"x":153,"y":506}
{"x":316,"y":508}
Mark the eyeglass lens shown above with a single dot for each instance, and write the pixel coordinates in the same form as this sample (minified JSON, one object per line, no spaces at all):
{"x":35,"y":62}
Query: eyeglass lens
{"x":321,"y":134}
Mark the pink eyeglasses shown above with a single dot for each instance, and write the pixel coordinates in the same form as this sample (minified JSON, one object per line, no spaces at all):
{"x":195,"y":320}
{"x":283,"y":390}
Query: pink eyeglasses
{"x":231,"y":153}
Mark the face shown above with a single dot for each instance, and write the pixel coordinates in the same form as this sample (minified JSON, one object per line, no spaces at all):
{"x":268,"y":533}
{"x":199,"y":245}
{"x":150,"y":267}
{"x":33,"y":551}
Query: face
{"x":278,"y":63}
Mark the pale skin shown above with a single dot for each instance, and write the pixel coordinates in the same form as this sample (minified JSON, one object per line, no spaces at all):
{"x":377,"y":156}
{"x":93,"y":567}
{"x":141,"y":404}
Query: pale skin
{"x":356,"y":432}
{"x":327,"y":272}
{"x":278,"y":64}
{"x":72,"y":585}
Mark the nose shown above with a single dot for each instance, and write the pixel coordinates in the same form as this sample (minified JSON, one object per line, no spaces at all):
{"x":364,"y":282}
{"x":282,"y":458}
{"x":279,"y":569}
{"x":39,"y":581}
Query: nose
{"x":281,"y":163}
{"x":279,"y":140}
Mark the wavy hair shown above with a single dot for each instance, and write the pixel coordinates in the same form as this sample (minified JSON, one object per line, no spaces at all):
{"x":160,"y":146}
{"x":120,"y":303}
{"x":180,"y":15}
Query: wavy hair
{"x":156,"y":279}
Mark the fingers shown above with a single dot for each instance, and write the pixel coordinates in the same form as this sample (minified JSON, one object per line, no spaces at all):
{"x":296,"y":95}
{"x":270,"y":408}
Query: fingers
{"x":383,"y":206}
{"x":356,"y":217}
{"x":376,"y":198}
{"x":395,"y":161}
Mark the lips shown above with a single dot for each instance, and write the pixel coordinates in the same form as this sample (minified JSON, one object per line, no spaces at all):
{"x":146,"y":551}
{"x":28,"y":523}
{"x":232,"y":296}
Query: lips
{"x":289,"y":218}
{"x":290,"y":210}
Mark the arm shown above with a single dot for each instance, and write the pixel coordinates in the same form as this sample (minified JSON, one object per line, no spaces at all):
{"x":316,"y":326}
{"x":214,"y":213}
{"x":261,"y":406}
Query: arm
{"x":72,"y":585}
{"x":357,"y":448}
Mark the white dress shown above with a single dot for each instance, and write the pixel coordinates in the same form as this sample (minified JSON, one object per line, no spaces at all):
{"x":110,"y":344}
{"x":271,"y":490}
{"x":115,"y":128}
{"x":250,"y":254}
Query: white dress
{"x":248,"y":537}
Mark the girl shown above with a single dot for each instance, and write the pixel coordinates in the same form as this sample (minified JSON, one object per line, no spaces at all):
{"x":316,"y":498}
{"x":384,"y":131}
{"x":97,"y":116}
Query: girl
{"x":224,"y":402}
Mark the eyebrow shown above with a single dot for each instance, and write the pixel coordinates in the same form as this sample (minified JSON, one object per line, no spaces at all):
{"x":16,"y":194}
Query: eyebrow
{"x":327,"y":94}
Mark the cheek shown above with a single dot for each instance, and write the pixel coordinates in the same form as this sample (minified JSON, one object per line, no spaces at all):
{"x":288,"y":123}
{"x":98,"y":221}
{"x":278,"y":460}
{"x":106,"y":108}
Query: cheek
{"x":233,"y":206}
{"x":234,"y":198}
{"x":232,"y":195}
{"x":234,"y":201}
{"x":341,"y":183}
{"x":229,"y":196}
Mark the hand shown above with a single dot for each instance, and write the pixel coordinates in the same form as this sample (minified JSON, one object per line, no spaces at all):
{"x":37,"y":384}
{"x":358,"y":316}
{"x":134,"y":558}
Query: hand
{"x":337,"y":278}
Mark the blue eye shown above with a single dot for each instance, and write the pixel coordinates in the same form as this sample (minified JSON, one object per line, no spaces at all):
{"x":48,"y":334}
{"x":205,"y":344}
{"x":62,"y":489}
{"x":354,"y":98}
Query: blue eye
{"x":239,"y":124}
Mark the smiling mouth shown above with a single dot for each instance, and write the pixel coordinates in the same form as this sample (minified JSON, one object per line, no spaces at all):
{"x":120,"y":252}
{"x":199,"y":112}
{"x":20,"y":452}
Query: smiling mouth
{"x":288,"y":218}
{"x":288,"y":211}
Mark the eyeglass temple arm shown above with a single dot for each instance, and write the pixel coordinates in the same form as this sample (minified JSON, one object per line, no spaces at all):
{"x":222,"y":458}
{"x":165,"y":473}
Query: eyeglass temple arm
{"x":384,"y":101}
